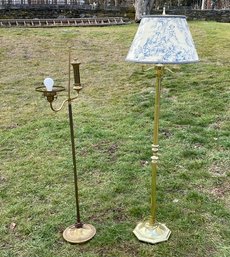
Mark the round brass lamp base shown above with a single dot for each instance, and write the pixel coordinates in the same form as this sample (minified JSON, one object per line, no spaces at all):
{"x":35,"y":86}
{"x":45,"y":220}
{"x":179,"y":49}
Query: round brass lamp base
{"x":152,"y":233}
{"x":79,"y":235}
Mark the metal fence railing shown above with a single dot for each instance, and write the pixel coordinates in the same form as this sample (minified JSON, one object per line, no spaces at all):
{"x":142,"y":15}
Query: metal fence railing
{"x":84,"y":4}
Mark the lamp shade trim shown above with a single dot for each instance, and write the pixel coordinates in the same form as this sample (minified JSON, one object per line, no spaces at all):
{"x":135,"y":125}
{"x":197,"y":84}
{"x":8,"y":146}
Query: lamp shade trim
{"x":164,"y":16}
{"x":163,"y":40}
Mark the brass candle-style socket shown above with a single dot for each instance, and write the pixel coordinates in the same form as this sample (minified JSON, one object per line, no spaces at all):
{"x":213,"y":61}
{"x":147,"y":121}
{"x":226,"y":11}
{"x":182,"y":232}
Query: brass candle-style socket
{"x":76,"y":71}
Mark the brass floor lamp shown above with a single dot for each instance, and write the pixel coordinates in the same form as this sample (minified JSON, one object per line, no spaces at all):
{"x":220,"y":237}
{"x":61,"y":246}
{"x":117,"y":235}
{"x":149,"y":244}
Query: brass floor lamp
{"x":160,"y":39}
{"x":78,"y":232}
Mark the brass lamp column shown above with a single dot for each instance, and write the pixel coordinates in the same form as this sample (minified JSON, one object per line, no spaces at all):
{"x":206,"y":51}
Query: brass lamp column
{"x":150,"y":230}
{"x":155,"y":146}
{"x":78,"y":232}
{"x":160,"y":39}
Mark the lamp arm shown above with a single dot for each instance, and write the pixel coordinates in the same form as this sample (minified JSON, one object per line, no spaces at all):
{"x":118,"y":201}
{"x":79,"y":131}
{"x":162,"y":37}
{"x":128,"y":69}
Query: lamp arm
{"x":61,"y":106}
{"x":71,"y":99}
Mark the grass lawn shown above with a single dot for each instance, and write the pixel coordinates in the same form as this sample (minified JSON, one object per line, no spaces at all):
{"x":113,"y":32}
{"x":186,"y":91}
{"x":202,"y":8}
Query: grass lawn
{"x":113,"y":120}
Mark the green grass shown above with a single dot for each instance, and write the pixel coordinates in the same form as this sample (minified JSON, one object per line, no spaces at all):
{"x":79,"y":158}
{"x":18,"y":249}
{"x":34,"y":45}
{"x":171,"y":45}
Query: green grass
{"x":113,"y":120}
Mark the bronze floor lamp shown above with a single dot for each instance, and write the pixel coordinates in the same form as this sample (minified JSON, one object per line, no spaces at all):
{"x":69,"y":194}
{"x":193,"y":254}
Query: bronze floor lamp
{"x":79,"y":232}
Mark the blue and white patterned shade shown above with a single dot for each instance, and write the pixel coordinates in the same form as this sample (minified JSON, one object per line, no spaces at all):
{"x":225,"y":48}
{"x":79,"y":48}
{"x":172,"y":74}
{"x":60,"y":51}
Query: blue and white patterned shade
{"x":163,"y":39}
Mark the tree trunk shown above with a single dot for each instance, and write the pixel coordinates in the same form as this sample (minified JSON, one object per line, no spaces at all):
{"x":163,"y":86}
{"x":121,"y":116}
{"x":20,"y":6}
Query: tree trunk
{"x":142,"y":8}
{"x":138,"y":5}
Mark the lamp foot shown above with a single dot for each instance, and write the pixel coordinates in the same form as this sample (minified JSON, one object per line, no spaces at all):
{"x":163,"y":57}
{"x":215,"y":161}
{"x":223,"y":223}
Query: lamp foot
{"x":75,"y":235}
{"x":153,"y":234}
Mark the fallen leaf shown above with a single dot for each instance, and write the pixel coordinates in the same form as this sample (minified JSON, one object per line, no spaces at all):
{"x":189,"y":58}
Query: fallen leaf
{"x":13,"y":226}
{"x":175,"y":201}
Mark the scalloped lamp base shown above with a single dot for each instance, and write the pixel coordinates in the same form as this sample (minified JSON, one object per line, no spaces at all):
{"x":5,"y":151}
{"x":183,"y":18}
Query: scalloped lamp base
{"x":151,"y":233}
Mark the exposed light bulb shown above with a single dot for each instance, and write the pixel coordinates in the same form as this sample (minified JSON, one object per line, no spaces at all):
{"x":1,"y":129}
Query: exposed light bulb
{"x":48,"y":82}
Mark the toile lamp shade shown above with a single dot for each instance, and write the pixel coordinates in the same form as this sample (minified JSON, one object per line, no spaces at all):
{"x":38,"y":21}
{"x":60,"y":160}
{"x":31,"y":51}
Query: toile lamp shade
{"x":163,"y":39}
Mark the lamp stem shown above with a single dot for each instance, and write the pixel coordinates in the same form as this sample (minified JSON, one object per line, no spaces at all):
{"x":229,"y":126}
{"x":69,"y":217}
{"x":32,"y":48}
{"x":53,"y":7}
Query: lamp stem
{"x":78,"y":223}
{"x":69,"y":74}
{"x":155,"y":146}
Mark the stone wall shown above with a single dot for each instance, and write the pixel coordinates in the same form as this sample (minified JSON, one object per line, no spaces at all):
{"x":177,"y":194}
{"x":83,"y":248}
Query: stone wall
{"x":45,"y":13}
{"x":52,"y":13}
{"x":203,"y":15}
